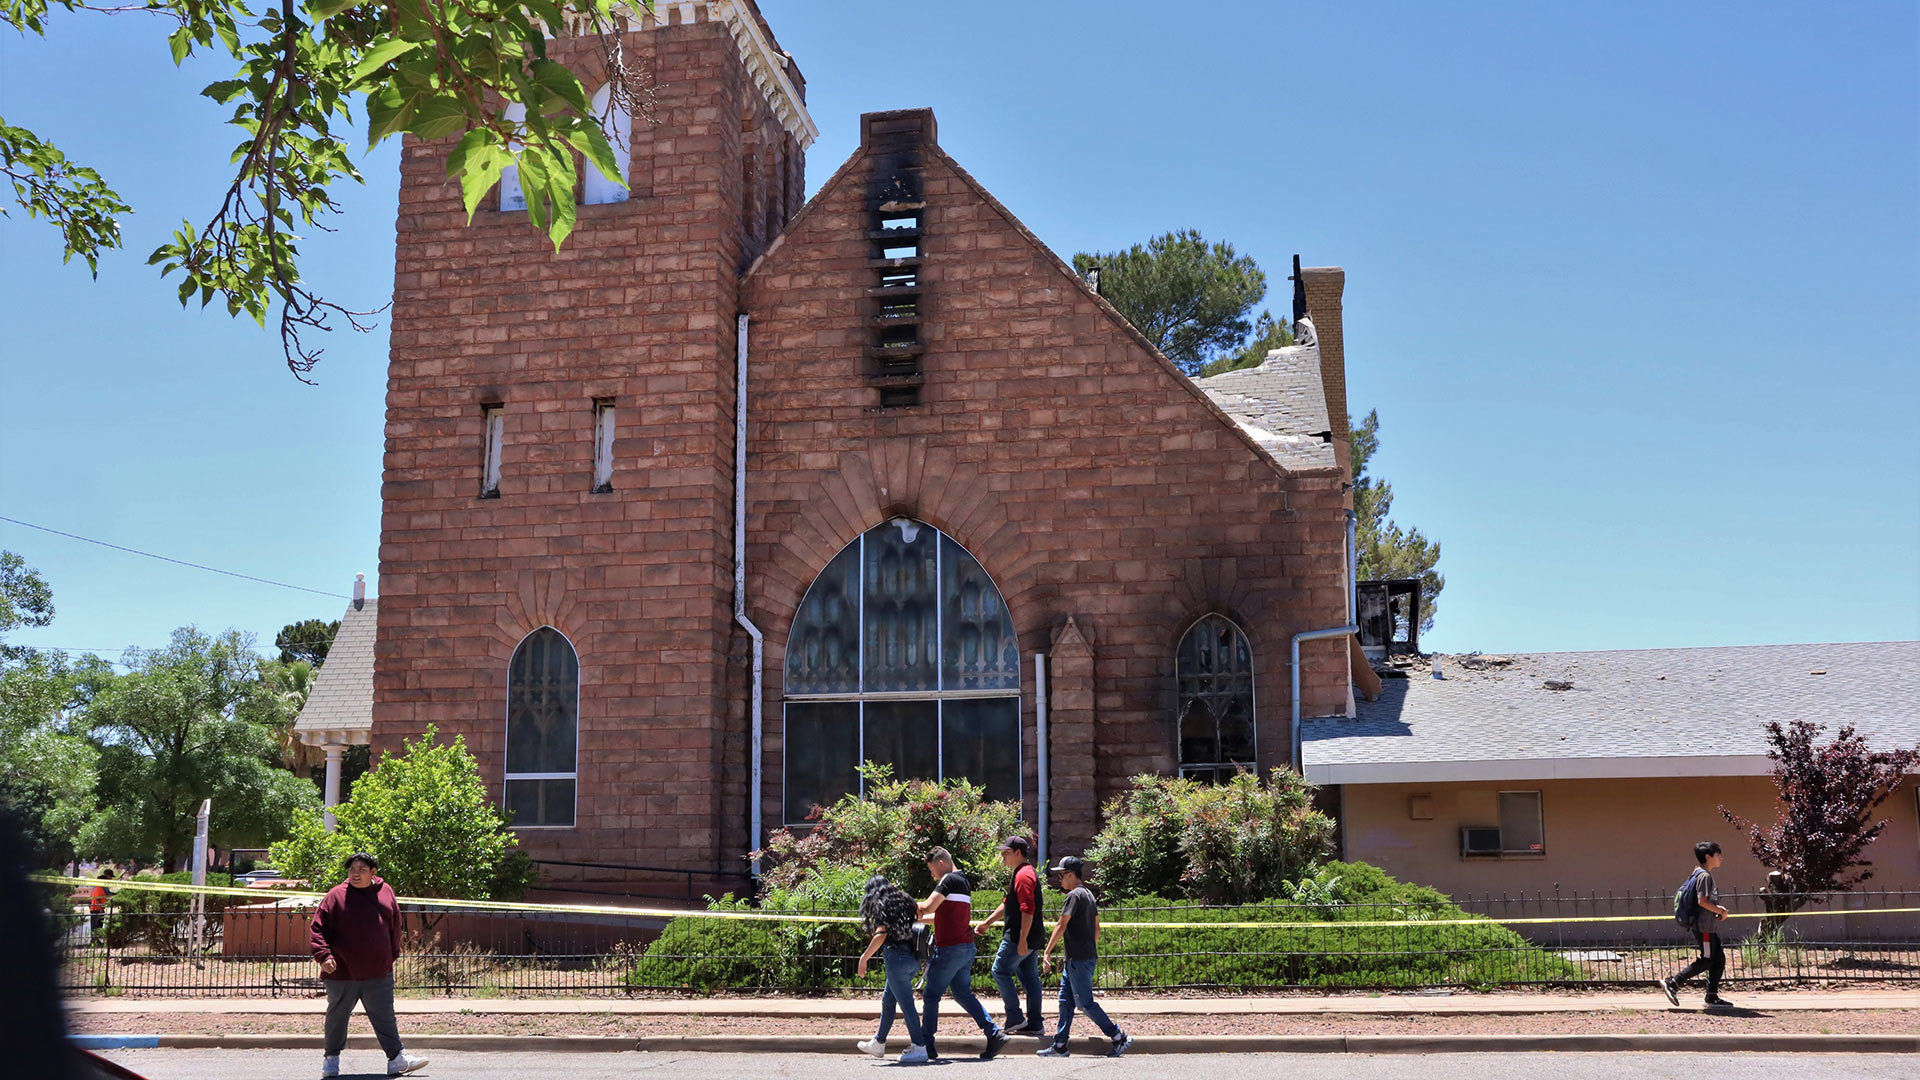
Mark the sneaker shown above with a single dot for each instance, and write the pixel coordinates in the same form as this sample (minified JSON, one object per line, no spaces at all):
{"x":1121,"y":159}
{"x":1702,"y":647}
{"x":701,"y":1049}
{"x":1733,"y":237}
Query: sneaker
{"x":1718,"y":1002}
{"x":329,"y":1066}
{"x":996,"y":1042}
{"x":1121,"y":1045}
{"x":404,"y":1064}
{"x":1053,"y":1050}
{"x":1031,"y":1027}
{"x":872,"y":1046}
{"x":1673,"y":993}
{"x":915,"y":1055}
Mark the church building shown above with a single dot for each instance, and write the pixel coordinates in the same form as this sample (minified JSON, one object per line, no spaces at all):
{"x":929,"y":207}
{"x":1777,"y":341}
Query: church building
{"x":685,"y":520}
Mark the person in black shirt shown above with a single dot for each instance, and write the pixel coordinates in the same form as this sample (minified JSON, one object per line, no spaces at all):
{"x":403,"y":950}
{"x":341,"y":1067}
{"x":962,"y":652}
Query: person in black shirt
{"x":1080,"y":925}
{"x":951,"y":905}
{"x":890,"y":916}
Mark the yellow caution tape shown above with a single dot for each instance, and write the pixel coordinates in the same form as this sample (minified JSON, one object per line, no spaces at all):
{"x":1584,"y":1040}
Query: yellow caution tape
{"x":268,"y":895}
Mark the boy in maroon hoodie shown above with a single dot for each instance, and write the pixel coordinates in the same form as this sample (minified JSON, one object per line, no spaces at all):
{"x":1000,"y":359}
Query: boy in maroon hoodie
{"x":356,"y":939}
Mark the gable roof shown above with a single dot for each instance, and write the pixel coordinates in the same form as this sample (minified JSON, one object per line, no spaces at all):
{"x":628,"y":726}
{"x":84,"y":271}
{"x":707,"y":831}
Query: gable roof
{"x":342,"y":700}
{"x":1280,"y":403}
{"x":1638,"y":712}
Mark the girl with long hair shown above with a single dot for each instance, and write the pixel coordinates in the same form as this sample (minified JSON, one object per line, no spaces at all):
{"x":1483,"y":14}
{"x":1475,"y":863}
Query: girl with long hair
{"x":889,"y":916}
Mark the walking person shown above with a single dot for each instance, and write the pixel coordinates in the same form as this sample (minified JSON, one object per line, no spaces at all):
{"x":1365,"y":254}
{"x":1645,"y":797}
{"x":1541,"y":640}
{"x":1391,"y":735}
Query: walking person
{"x":355,"y":940}
{"x":1019,"y":954}
{"x":1697,"y":907}
{"x":1079,"y":923}
{"x":890,"y":916}
{"x":951,"y":905}
{"x":97,"y":902}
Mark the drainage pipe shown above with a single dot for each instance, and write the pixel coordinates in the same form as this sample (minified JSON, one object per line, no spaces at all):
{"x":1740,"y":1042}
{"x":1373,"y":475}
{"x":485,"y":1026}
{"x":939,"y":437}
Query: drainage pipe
{"x":1040,"y":740}
{"x":1309,"y":635}
{"x":740,"y":582}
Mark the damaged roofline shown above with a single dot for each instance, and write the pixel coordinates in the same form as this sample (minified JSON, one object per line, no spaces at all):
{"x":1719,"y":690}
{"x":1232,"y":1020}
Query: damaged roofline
{"x":1518,"y":769}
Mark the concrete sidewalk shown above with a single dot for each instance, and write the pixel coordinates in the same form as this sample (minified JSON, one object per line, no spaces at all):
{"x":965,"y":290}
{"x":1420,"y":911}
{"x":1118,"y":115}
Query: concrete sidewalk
{"x":1454,"y":1004}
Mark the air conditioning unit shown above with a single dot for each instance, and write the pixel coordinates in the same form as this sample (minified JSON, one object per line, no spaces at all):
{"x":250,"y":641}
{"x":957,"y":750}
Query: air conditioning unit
{"x":1479,"y":841}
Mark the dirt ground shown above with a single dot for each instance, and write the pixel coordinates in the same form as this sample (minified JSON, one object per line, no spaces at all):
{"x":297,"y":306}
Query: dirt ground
{"x":1858,"y":1022}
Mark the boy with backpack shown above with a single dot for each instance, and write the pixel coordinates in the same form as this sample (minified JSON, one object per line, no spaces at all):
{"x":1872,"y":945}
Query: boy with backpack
{"x":1697,"y":907}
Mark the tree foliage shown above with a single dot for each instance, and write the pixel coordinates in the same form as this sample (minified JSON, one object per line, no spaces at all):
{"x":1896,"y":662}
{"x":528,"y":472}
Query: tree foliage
{"x":1269,"y":334}
{"x":1827,"y":795}
{"x":425,"y":814}
{"x":47,"y":773}
{"x":1231,"y":843}
{"x":1388,"y":550}
{"x":1190,"y":298}
{"x":188,"y":722}
{"x":25,"y":599}
{"x":436,"y":70}
{"x":891,"y":829}
{"x":308,"y":640}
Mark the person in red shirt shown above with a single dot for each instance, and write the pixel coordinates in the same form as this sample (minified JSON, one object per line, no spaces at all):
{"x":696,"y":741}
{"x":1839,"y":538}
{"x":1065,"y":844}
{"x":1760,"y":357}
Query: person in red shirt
{"x":951,"y":905}
{"x":355,"y":940}
{"x":1019,"y":946}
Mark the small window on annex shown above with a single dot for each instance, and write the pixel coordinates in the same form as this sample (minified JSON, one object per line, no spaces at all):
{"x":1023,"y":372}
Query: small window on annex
{"x":1523,"y":829}
{"x":1214,"y":670}
{"x":902,"y":653}
{"x":543,"y":723}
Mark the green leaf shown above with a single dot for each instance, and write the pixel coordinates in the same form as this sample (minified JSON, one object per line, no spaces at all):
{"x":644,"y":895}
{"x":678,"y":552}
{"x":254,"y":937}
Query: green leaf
{"x":438,"y":116}
{"x":593,"y":145}
{"x":481,"y":174}
{"x":225,"y":90}
{"x":557,"y":80}
{"x":325,"y":9}
{"x":181,"y":42}
{"x":380,"y":56}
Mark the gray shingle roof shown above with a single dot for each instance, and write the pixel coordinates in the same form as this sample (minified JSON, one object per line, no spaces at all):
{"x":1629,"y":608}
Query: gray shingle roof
{"x":1629,"y":713}
{"x":342,"y":698}
{"x":1280,"y":403}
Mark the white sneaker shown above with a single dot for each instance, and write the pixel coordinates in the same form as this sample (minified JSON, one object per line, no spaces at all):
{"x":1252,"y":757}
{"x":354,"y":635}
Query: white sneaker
{"x":329,"y":1066}
{"x":404,"y":1064}
{"x":872,"y":1046}
{"x":915,"y":1055}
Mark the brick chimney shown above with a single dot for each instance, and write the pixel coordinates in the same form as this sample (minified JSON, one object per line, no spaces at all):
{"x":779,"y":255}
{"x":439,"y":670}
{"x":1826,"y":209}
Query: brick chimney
{"x":1323,"y":286}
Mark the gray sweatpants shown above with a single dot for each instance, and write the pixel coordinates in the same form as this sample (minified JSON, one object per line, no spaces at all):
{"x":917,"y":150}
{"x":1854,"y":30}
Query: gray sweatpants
{"x":374,"y":995}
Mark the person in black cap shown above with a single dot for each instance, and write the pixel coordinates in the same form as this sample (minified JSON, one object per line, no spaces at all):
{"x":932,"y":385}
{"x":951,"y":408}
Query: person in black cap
{"x":1020,"y":946}
{"x":1080,"y":925}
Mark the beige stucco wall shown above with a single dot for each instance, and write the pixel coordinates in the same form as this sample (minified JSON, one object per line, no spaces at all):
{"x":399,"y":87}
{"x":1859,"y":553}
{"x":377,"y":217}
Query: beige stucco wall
{"x":1628,"y":836}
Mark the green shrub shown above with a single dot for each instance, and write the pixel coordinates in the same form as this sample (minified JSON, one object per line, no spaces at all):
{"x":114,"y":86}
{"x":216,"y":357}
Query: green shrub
{"x":890,"y":831}
{"x":1482,"y":954}
{"x":1237,"y":842}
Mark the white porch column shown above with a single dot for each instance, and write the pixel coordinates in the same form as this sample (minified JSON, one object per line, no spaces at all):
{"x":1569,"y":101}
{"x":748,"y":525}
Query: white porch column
{"x":334,"y":750}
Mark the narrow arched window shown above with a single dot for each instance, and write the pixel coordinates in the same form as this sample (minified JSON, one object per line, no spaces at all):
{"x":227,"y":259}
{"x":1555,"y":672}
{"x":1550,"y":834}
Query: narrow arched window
{"x":903,"y":654}
{"x":543,"y":724}
{"x":616,"y":124}
{"x":1214,"y":669}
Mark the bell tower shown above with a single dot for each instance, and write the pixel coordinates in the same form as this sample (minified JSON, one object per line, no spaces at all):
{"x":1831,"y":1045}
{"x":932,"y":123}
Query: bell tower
{"x":559,"y":441}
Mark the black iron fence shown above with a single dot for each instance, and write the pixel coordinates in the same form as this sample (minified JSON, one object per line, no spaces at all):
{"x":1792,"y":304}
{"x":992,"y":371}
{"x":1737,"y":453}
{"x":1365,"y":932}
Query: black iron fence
{"x":1587,"y":940}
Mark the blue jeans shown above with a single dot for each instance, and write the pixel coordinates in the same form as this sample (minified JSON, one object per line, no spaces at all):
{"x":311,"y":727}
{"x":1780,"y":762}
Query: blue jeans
{"x":952,"y":969}
{"x":902,"y":966}
{"x":1006,"y":964}
{"x":1076,"y":988}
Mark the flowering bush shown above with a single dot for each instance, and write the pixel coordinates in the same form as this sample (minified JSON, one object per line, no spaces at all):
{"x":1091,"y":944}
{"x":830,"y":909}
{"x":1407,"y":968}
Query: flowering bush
{"x":890,"y":830}
{"x":1230,"y":843}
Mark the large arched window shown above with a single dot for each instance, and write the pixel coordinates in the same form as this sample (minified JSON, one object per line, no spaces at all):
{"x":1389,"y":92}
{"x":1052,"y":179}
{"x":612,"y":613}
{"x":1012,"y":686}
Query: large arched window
{"x":902,"y":653}
{"x":597,"y":188}
{"x":543,"y":723}
{"x":1215,"y":671}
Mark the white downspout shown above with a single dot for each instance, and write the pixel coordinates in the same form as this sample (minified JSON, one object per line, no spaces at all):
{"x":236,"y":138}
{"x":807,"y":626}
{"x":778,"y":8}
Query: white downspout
{"x":740,"y":580}
{"x":1309,"y":635}
{"x":1040,"y":740}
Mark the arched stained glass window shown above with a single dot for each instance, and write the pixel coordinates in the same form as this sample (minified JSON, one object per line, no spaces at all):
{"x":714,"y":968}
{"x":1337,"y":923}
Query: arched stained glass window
{"x":1214,"y":668}
{"x":543,"y":723}
{"x":902,"y":653}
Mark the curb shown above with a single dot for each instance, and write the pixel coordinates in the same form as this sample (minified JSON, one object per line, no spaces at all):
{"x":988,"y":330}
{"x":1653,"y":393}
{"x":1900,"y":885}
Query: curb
{"x":970,"y":1046}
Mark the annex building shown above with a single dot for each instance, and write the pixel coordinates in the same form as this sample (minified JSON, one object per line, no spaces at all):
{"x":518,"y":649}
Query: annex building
{"x":684,"y":521}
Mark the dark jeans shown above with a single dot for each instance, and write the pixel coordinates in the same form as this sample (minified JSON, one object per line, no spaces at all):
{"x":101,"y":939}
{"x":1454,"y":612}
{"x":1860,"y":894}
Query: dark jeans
{"x":1076,"y":988}
{"x":952,"y":969}
{"x":1008,"y":963}
{"x":374,"y":995}
{"x":902,"y":966}
{"x":1711,"y":960}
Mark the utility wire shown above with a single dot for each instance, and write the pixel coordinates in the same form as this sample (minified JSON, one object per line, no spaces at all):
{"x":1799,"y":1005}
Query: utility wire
{"x":177,"y":562}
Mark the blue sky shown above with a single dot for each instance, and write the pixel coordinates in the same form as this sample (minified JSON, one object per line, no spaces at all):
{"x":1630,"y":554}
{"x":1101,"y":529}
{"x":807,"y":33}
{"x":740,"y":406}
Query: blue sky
{"x":1632,"y":286}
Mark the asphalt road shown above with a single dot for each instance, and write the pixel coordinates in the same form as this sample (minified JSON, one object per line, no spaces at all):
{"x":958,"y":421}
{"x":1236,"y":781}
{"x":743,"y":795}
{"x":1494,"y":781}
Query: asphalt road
{"x":467,"y":1065}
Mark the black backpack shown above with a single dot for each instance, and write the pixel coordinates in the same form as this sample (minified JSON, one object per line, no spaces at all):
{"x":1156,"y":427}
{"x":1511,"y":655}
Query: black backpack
{"x":1686,"y":902}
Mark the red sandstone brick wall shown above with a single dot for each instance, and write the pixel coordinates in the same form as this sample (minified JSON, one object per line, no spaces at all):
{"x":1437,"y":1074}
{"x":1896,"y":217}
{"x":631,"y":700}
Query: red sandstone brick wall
{"x":639,"y":306}
{"x":1089,"y":479}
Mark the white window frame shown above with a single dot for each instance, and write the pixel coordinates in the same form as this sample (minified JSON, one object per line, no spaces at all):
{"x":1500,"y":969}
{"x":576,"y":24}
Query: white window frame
{"x":598,"y":189}
{"x":506,"y":727}
{"x":603,"y":435}
{"x":512,"y":197}
{"x":493,"y":439}
{"x":939,"y":695}
{"x":1540,"y":815}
